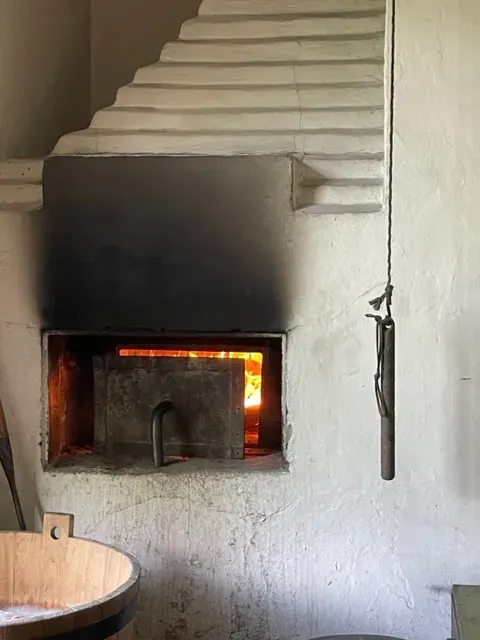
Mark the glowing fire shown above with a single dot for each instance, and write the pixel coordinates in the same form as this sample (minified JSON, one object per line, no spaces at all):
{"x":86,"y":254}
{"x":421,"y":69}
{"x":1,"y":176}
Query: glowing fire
{"x":253,"y":366}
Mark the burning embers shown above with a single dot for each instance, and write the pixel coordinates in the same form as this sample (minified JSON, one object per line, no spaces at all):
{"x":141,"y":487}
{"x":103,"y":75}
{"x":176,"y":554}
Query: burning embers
{"x":253,"y":366}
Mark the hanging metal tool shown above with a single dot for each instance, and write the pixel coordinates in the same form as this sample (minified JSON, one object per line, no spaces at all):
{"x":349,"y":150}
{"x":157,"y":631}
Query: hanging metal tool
{"x":385,"y":373}
{"x":385,"y":384}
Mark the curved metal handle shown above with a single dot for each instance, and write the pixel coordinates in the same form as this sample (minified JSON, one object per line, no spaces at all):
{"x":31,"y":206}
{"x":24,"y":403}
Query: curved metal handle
{"x":156,"y":428}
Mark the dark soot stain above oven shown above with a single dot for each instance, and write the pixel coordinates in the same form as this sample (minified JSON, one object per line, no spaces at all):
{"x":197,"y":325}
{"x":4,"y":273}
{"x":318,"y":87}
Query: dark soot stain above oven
{"x":166,"y":243}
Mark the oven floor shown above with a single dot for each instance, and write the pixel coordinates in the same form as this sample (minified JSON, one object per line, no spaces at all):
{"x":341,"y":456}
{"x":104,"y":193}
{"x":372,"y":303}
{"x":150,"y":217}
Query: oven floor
{"x":125,"y":464}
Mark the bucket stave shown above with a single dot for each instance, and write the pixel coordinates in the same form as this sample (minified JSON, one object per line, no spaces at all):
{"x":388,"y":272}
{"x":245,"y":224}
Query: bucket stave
{"x":92,"y":587}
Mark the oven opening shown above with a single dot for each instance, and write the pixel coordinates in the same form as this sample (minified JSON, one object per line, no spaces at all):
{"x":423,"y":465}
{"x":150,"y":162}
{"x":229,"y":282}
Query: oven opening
{"x":223,"y":394}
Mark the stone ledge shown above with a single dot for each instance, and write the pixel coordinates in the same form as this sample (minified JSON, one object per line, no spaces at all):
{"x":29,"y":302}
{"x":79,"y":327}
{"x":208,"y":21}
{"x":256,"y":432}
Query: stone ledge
{"x":94,"y":464}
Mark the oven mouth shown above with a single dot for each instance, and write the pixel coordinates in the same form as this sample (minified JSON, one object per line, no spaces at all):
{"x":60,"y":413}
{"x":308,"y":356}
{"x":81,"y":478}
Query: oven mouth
{"x":225,"y":393}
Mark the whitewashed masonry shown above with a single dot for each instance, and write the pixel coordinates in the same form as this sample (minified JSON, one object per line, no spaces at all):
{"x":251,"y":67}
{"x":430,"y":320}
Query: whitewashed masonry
{"x":21,"y":185}
{"x":302,"y":78}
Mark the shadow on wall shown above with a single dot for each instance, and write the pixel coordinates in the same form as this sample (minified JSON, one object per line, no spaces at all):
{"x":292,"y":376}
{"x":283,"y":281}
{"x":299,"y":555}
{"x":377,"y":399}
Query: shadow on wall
{"x":195,"y":608}
{"x":179,"y":604}
{"x":19,"y":357}
{"x":24,"y":469}
{"x":128,"y":34}
{"x":45,"y":73}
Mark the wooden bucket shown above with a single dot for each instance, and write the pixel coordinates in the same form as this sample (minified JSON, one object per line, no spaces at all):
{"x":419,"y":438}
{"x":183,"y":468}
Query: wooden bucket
{"x":94,"y":585}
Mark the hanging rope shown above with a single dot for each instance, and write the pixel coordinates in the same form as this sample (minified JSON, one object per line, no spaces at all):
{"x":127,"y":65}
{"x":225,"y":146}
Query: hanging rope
{"x":384,"y":377}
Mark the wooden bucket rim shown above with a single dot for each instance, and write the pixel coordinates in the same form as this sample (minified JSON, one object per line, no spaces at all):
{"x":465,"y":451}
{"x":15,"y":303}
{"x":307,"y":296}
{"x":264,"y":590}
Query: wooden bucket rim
{"x":130,"y":584}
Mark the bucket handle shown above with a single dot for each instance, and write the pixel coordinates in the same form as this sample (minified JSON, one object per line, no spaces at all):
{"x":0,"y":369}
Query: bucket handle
{"x":57,"y":526}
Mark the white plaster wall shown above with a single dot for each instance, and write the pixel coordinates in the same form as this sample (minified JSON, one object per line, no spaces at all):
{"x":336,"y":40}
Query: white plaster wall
{"x":328,"y":547}
{"x":127,"y":34}
{"x":44,"y":73}
{"x":19,"y":356}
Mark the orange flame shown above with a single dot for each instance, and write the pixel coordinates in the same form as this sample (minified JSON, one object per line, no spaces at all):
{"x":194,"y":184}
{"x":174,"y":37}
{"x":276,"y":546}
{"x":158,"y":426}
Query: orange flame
{"x":253,"y":366}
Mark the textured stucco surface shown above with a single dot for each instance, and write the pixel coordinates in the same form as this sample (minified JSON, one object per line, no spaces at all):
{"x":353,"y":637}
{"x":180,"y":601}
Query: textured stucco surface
{"x":247,"y":78}
{"x":44,"y":73}
{"x":327,"y":547}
